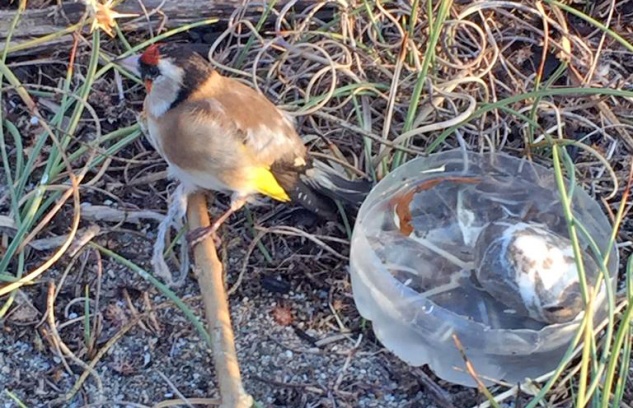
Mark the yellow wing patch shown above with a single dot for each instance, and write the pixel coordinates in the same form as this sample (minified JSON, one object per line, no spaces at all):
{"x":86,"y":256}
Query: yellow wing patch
{"x":266,"y":184}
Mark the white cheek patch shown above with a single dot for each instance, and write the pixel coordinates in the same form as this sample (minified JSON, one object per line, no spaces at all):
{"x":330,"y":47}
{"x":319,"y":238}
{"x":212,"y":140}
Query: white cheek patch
{"x":170,"y":70}
{"x":165,"y":88}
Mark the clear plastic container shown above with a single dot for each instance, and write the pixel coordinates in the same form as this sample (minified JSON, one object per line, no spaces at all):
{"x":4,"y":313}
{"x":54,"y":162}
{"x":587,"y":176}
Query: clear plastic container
{"x":424,"y":267}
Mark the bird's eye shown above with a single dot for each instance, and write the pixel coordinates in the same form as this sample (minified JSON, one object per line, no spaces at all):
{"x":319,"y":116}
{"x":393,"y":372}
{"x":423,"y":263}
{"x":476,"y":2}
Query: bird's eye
{"x":153,"y":71}
{"x":149,"y":71}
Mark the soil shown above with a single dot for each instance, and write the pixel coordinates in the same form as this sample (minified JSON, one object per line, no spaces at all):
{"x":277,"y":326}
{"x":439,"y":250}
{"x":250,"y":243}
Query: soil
{"x":300,"y":340}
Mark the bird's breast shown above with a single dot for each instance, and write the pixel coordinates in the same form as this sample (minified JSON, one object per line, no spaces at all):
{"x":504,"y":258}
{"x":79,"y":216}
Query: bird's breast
{"x":155,"y":137}
{"x":201,"y":174}
{"x":203,"y":180}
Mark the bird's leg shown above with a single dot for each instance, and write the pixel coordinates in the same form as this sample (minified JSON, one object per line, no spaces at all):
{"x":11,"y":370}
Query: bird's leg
{"x":199,"y":234}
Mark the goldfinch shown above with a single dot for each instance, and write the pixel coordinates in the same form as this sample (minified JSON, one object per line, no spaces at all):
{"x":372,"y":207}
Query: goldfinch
{"x":218,"y":134}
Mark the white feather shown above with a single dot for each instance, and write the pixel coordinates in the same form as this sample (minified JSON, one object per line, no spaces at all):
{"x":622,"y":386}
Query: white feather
{"x":165,"y":88}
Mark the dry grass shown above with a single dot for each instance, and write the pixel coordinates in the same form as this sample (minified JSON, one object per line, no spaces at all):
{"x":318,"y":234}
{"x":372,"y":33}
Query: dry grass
{"x":368,"y":94}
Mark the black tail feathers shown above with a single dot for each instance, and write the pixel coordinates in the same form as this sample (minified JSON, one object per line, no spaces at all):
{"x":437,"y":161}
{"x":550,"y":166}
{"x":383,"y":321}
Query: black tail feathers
{"x":328,"y":182}
{"x":325,"y":186}
{"x":305,"y":195}
{"x":317,"y":186}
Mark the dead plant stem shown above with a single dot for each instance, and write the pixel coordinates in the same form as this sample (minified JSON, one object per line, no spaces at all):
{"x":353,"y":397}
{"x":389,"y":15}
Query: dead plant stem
{"x":210,"y":279}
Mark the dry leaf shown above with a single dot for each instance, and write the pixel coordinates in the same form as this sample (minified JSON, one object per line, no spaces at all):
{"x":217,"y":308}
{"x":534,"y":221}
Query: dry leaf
{"x":402,"y":202}
{"x":283,"y":315}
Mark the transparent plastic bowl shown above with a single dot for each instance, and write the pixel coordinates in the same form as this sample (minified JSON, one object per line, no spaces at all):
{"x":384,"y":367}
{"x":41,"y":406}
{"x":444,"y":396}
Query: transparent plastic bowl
{"x":419,"y":297}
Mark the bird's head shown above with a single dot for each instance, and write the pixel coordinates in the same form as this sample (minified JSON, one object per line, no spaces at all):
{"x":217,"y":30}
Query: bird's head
{"x":170,"y":72}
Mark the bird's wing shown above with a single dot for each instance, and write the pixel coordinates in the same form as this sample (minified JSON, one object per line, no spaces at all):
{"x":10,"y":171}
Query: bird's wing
{"x":267,"y":132}
{"x":202,"y":139}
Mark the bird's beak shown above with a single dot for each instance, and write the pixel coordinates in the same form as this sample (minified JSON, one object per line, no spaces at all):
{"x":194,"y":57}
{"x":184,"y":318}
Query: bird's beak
{"x":130,"y":63}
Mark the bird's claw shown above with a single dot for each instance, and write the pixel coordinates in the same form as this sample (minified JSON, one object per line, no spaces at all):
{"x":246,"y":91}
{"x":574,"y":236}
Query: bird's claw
{"x":200,"y":234}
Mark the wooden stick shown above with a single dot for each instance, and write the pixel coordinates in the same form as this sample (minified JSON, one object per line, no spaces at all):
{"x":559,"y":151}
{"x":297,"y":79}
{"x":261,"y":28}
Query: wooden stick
{"x":151,"y":15}
{"x":209,"y":274}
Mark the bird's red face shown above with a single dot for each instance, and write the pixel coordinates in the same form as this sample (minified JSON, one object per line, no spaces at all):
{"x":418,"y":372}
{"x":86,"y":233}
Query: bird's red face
{"x":171,"y":72}
{"x":158,"y":63}
{"x":149,"y":65}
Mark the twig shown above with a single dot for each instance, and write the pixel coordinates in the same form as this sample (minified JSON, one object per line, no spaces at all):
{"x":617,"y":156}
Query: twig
{"x":471,"y":370}
{"x":178,"y":402}
{"x":209,"y":274}
{"x":147,"y":304}
{"x":174,"y":389}
{"x":348,"y":360}
{"x":134,"y":310}
{"x":50,"y":306}
{"x":103,"y":350}
{"x":439,"y":395}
